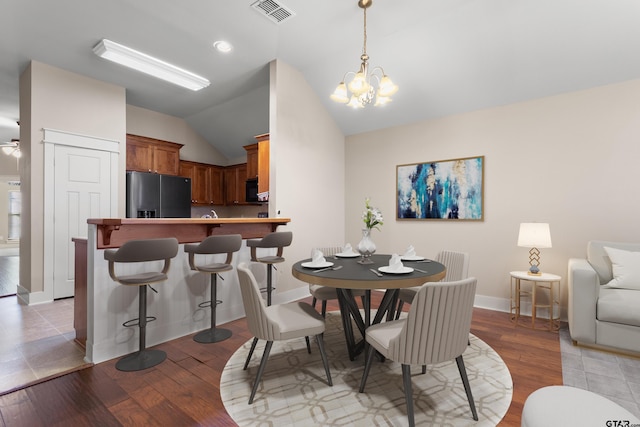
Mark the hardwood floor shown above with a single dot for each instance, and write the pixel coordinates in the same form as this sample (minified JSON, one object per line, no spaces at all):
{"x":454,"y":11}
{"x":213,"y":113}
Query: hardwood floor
{"x":184,"y":390}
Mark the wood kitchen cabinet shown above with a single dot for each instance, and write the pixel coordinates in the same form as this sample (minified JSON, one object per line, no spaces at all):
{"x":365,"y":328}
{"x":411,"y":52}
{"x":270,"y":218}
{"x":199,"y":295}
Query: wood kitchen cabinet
{"x":235,"y":178}
{"x":258,"y":161}
{"x":152,"y":155}
{"x":206,"y":182}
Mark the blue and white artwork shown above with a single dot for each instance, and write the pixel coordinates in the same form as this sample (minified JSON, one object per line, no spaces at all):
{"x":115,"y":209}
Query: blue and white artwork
{"x":448,"y":189}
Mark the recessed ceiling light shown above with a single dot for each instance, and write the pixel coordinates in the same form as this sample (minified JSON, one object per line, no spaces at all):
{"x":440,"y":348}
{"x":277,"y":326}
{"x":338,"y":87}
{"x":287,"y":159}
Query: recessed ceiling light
{"x":128,"y":57}
{"x":223,"y":46}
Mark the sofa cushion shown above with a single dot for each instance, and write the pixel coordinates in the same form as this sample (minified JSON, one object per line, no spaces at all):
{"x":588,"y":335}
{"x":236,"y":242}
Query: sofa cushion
{"x":599,"y":259}
{"x":625,"y":266}
{"x":619,"y":306}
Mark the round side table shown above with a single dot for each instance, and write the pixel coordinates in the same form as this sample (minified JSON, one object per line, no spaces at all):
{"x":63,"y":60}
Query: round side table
{"x":545,"y":282}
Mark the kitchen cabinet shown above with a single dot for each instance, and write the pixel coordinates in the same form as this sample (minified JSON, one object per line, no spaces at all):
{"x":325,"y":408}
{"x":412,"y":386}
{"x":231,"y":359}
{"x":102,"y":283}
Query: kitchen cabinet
{"x":206,"y":182}
{"x":152,"y":155}
{"x":235,"y":178}
{"x":258,"y":162}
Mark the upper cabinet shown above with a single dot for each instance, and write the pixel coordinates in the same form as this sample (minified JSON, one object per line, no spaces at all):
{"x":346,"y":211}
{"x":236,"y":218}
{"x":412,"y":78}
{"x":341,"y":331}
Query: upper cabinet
{"x":258,"y":162}
{"x":152,"y":155}
{"x":235,"y":178}
{"x":206,"y":182}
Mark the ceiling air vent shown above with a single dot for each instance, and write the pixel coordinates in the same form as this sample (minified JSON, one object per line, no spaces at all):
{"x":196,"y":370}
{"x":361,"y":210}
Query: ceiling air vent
{"x":275,"y":11}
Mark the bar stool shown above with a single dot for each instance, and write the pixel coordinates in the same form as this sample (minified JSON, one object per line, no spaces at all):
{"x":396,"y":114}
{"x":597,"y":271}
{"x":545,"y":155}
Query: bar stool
{"x":142,"y":251}
{"x":213,"y":245}
{"x":279,"y":240}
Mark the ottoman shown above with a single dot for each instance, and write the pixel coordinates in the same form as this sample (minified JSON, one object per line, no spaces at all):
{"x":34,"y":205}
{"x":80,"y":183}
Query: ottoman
{"x":570,"y":406}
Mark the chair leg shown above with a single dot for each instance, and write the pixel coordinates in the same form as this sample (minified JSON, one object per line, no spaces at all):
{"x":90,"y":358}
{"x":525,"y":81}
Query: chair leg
{"x":367,"y":366}
{"x":263,"y":363}
{"x":313,"y":302}
{"x":324,"y":308}
{"x":253,"y":347}
{"x":424,"y":369}
{"x":408,"y":393}
{"x":399,"y":310}
{"x":467,"y":387}
{"x":143,"y":358}
{"x":213,"y":334}
{"x":308,"y":344}
{"x":323,"y":354}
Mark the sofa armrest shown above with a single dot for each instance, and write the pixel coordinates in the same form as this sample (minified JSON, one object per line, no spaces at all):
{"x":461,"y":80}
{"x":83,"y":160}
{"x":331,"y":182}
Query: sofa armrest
{"x":583,"y":291}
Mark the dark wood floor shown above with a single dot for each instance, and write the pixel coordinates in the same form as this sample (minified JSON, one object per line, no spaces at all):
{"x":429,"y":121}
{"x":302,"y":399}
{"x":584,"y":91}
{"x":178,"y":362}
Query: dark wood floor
{"x":184,"y":390}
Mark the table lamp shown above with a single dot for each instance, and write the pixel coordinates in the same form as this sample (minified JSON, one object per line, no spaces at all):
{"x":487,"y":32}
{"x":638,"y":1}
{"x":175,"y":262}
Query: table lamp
{"x":534,"y":235}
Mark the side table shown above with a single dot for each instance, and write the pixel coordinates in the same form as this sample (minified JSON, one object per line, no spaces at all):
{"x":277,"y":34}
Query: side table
{"x":545,"y":281}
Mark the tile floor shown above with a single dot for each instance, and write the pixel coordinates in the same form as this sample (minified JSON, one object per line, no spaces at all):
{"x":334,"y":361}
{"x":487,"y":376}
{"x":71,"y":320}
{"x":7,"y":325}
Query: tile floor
{"x":36,"y":342}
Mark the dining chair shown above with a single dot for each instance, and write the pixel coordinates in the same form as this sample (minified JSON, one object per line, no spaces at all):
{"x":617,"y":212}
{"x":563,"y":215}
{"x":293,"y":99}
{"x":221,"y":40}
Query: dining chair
{"x":139,"y":251}
{"x":223,"y":244}
{"x":435,"y":330}
{"x":327,"y":293}
{"x":277,"y":322}
{"x":457,"y":265}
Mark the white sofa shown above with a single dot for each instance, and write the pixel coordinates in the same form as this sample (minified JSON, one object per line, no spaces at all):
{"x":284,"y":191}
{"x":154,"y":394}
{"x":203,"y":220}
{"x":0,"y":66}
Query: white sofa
{"x":602,"y":310}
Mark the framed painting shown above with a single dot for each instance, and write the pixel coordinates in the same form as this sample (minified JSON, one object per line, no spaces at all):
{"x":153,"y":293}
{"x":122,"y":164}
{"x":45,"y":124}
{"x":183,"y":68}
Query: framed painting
{"x":441,"y":190}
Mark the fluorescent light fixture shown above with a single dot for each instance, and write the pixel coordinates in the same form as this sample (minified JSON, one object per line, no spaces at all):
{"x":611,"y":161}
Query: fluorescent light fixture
{"x":128,"y":57}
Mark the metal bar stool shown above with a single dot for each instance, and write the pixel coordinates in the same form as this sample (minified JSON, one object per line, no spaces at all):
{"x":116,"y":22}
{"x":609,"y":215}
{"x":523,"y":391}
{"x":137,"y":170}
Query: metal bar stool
{"x":213,"y":245}
{"x":142,"y":251}
{"x":279,"y":240}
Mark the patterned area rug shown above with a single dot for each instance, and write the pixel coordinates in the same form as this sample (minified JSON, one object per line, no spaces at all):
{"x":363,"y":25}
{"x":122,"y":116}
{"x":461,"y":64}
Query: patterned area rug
{"x":294,"y":391}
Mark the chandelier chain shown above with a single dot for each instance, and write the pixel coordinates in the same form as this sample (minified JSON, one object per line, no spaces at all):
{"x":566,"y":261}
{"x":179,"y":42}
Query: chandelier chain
{"x":364,"y":46}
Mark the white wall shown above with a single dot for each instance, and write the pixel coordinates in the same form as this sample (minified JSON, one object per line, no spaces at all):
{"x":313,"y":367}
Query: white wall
{"x":152,"y":124}
{"x":57,"y":99}
{"x":569,"y":160}
{"x":307,"y":169}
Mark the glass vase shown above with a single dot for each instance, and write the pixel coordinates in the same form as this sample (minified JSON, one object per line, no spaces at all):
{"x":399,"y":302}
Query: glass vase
{"x":366,"y":247}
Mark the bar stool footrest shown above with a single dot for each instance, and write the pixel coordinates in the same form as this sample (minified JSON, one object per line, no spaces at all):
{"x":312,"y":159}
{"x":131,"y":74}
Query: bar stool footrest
{"x":129,"y":323}
{"x":207,"y":304}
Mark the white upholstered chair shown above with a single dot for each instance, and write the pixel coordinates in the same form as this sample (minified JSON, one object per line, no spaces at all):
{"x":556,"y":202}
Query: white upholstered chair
{"x":277,"y":322}
{"x":457,"y":265}
{"x":435,"y":330}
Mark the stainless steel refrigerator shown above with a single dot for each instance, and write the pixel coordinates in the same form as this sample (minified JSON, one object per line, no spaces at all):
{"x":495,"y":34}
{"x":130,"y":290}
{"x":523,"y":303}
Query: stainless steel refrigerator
{"x":151,"y":195}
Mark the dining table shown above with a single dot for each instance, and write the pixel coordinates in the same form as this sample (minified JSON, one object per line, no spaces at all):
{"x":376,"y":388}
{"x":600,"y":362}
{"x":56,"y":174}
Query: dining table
{"x":345,"y":273}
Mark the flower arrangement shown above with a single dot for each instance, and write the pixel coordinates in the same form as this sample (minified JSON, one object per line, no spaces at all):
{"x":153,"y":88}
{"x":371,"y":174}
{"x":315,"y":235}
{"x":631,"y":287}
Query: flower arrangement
{"x":372,"y":217}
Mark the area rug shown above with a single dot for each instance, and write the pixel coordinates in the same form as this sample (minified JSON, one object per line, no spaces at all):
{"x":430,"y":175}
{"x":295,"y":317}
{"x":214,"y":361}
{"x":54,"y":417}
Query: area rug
{"x":294,"y":391}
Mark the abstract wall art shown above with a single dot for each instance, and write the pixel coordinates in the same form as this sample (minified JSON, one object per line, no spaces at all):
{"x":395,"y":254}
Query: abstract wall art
{"x":442,"y":190}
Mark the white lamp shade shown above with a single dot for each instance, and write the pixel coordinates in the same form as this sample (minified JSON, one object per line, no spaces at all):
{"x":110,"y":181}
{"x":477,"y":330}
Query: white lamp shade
{"x":534,"y":235}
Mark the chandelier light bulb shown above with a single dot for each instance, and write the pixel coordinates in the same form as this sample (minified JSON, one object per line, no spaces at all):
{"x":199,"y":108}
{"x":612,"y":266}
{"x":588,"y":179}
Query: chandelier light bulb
{"x":387,"y":88}
{"x":340,"y":94}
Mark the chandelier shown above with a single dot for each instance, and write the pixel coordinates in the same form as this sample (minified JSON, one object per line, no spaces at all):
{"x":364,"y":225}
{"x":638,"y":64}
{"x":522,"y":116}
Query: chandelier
{"x":365,"y":87}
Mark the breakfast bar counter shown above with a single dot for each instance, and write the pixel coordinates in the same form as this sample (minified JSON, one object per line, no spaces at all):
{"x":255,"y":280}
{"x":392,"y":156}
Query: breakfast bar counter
{"x":175,"y":305}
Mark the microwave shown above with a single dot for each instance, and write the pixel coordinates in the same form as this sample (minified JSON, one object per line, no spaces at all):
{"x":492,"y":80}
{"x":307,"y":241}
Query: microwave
{"x":251,"y":194}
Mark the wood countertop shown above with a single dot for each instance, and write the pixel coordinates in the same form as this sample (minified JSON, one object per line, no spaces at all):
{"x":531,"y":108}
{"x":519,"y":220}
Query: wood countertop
{"x":113,"y":232}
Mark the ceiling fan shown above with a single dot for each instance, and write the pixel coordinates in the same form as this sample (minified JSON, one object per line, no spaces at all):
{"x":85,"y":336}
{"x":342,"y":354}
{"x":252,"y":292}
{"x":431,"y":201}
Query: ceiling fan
{"x":11,"y":148}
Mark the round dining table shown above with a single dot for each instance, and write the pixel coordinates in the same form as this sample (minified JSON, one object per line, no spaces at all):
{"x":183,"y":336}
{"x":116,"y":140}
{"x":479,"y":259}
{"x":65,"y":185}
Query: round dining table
{"x":346,"y":273}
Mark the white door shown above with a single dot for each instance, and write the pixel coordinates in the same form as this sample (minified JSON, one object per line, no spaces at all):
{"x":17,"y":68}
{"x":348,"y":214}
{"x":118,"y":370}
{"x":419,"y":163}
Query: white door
{"x":82,"y":190}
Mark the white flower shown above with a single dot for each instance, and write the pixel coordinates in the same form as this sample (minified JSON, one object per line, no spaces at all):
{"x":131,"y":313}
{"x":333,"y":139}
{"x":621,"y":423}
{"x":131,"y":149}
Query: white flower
{"x":372,"y":217}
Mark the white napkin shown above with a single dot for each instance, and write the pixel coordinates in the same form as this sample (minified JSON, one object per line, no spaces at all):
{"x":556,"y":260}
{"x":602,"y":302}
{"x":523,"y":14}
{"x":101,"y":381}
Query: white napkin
{"x":347,"y":249}
{"x":395,"y":264}
{"x":410,"y":252}
{"x":317,"y":258}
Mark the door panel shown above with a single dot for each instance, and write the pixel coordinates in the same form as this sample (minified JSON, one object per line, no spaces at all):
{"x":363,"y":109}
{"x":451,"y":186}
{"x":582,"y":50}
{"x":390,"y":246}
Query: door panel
{"x":82,"y":191}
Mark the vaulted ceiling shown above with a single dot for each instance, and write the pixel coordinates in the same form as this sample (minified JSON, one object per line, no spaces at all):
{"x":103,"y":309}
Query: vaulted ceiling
{"x":447,"y":56}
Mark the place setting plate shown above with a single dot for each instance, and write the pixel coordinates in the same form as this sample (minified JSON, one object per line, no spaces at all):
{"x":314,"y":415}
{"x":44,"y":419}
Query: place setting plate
{"x":386,"y":269}
{"x":312,"y":265}
{"x":412,"y":258}
{"x":347,"y":255}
